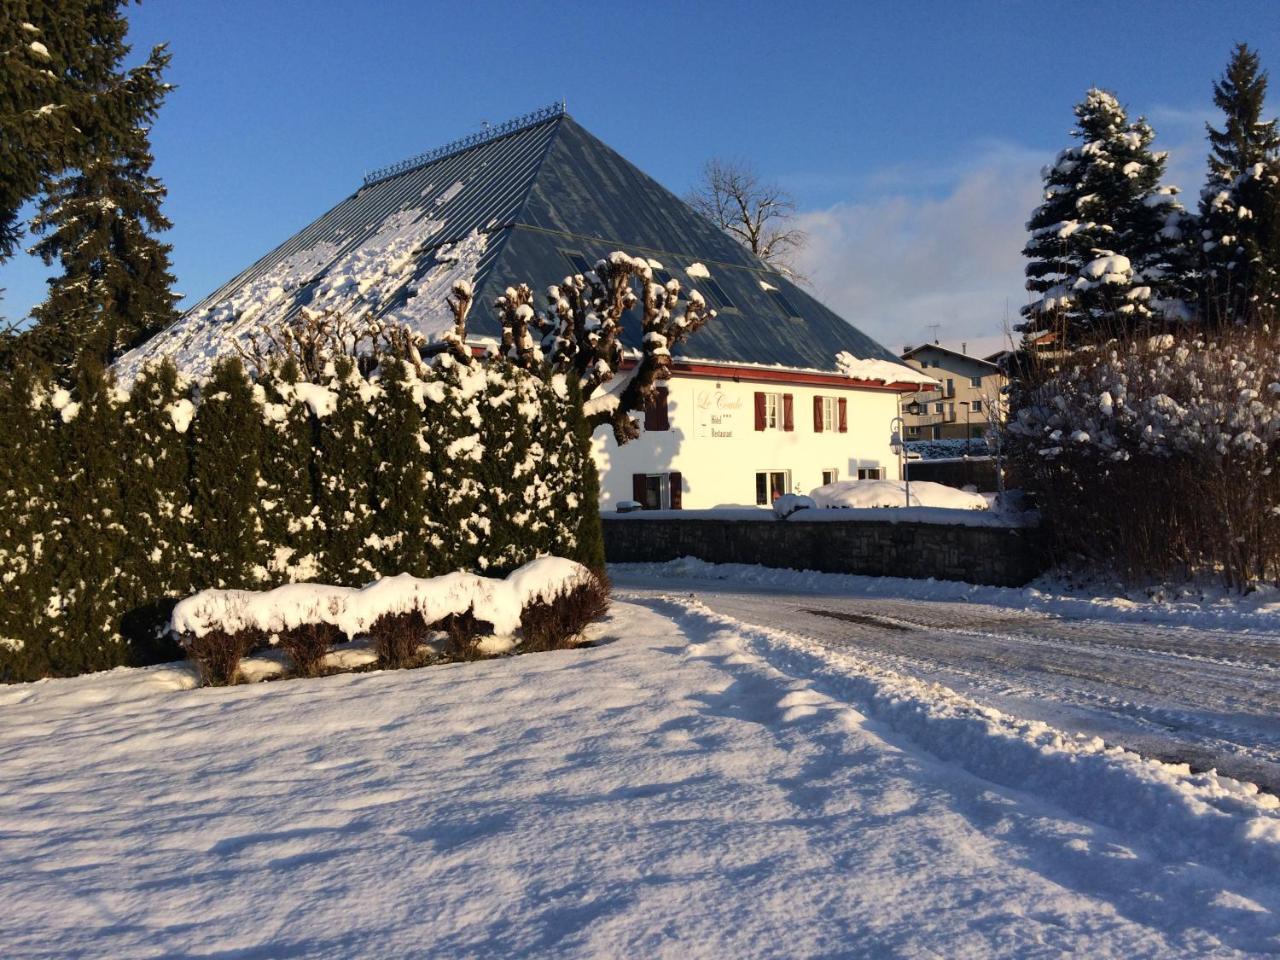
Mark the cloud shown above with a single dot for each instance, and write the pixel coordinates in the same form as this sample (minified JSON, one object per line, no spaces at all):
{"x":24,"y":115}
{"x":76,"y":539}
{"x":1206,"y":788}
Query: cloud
{"x":905,"y":260}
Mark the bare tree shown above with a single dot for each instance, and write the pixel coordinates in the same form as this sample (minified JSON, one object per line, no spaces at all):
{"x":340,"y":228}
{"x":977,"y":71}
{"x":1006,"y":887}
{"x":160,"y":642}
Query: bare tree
{"x":756,"y":214}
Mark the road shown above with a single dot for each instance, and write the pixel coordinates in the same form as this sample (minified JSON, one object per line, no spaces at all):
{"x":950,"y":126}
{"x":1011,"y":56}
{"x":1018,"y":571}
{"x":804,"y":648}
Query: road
{"x":1209,"y":698}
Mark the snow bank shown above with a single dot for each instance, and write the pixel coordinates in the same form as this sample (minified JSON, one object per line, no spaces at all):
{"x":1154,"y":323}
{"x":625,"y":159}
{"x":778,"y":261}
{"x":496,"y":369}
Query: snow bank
{"x":789,"y":503}
{"x":865,"y":494}
{"x":354,"y":610}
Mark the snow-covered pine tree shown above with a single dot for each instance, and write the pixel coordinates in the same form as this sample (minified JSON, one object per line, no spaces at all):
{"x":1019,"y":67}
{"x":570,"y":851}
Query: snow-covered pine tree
{"x":154,"y":564}
{"x":400,"y":481}
{"x":1240,"y":203}
{"x":28,"y":503}
{"x":1108,"y":248}
{"x":344,"y":478}
{"x":226,"y":474}
{"x":453,"y":427}
{"x":97,"y":220}
{"x":288,"y":493}
{"x":85,"y":633}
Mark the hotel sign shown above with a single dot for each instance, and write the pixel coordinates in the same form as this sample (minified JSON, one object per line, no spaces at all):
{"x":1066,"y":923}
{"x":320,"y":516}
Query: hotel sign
{"x":716,"y":413}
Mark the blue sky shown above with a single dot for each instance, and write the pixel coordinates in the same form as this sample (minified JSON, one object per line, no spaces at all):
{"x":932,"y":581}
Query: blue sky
{"x":911,"y":134}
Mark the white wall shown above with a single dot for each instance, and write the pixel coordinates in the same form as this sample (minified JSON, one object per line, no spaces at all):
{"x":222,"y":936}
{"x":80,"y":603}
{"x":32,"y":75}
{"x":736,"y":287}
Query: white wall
{"x":713,"y":442}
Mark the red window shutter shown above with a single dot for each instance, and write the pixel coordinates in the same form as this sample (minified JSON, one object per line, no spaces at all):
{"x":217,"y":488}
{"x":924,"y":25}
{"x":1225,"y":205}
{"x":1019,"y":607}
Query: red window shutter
{"x":675,"y":481}
{"x":842,"y":414}
{"x":664,"y":418}
{"x":788,"y":412}
{"x":638,"y":487}
{"x":759,"y":411}
{"x":817,"y":414}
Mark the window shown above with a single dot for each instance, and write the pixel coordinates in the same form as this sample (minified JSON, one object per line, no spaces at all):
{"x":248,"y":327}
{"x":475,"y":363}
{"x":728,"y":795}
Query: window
{"x":913,"y":432}
{"x":977,"y":406}
{"x":824,"y":414}
{"x":830,"y":476}
{"x":951,"y":412}
{"x":775,"y":411}
{"x":783,"y":303}
{"x":577,"y":261}
{"x":871,"y":473}
{"x":657,"y":491}
{"x":656,"y":416}
{"x":937,"y":407}
{"x":771,"y":484}
{"x":951,"y":387}
{"x":937,"y":433}
{"x":714,"y":293}
{"x":975,"y":382}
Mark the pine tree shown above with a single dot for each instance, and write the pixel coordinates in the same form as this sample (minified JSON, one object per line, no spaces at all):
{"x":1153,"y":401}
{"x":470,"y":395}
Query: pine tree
{"x":1239,"y":204}
{"x":1108,"y":249}
{"x":154,"y":563}
{"x":226,"y":438}
{"x":97,"y":219}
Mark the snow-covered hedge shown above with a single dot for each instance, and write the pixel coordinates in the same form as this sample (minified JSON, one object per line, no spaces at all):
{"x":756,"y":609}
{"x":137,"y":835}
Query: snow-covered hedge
{"x":1163,"y":452}
{"x":549,"y":601}
{"x":118,"y":502}
{"x":948,"y":449}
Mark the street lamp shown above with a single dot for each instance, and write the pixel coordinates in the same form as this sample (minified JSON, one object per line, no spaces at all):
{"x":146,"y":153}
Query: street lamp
{"x":896,"y":427}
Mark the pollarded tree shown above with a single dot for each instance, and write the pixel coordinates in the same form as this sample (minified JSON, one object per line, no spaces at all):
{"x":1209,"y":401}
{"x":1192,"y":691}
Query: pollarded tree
{"x":1240,"y":204}
{"x":226,"y":477}
{"x":1108,"y":248}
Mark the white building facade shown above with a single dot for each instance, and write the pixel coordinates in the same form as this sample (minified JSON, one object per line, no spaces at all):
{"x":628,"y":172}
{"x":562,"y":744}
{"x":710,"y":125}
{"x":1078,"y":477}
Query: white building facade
{"x":723,"y":435}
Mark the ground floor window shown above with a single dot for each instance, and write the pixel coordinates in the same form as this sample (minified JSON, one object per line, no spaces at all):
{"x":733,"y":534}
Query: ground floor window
{"x":658,"y":491}
{"x":830,"y":476}
{"x":871,"y":473}
{"x":771,"y":484}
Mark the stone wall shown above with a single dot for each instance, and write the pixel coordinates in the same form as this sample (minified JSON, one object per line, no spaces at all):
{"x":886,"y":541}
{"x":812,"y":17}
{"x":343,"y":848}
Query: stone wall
{"x":1000,"y":556}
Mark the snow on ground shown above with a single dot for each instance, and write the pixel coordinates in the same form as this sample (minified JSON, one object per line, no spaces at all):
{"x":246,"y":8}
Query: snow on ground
{"x":1205,"y":607}
{"x":865,"y":494}
{"x":688,"y":788}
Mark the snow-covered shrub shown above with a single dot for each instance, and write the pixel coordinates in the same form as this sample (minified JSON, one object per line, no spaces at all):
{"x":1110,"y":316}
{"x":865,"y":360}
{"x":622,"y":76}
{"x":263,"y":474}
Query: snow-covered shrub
{"x":1161,"y":454}
{"x":307,"y":644}
{"x":558,"y":622}
{"x":396,"y":638}
{"x":870,"y":494}
{"x":217,"y":654}
{"x":789,"y":503}
{"x":463,"y":632}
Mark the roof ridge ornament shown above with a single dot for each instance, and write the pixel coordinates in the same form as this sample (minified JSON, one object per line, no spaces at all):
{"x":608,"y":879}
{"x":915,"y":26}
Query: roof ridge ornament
{"x":540,"y":115}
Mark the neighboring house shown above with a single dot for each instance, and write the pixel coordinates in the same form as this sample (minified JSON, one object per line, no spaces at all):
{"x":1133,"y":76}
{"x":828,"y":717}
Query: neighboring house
{"x":758,"y":404}
{"x":968,"y":402}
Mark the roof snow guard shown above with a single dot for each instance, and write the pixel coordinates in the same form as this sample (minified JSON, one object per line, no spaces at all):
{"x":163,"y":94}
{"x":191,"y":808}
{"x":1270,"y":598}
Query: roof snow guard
{"x":466,"y":143}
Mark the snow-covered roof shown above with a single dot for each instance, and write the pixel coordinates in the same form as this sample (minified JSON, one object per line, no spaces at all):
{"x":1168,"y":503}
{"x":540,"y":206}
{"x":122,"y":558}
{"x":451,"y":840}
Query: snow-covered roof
{"x":528,"y":202}
{"x":907,"y":354}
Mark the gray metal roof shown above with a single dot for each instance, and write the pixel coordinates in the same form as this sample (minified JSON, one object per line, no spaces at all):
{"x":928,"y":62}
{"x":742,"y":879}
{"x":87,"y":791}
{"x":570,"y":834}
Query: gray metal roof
{"x":513,"y":205}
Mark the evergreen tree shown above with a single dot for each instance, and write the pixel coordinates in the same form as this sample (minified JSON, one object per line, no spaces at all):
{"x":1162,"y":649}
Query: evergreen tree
{"x":1239,"y":204}
{"x":28,"y":502}
{"x":344,"y":476}
{"x":288,"y":499}
{"x":400,"y":482}
{"x":97,"y":223}
{"x":226,"y":438}
{"x":456,"y":442}
{"x":86,"y":635}
{"x":1108,"y":249}
{"x":154,"y":564}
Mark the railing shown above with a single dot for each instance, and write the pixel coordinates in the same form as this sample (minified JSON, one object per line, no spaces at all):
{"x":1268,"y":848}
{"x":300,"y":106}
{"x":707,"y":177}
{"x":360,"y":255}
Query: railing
{"x":457,"y":146}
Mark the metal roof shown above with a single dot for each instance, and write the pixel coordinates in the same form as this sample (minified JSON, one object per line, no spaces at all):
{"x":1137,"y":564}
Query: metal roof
{"x":514,"y":204}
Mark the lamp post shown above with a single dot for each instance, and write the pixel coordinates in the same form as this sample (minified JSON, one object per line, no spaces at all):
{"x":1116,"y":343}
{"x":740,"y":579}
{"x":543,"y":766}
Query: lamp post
{"x":967,"y":434}
{"x":896,"y":427}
